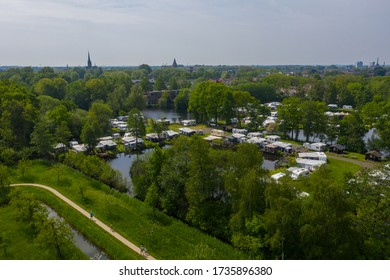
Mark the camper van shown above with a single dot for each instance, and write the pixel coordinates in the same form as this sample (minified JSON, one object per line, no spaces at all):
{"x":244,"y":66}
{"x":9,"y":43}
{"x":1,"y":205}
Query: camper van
{"x":188,"y":122}
{"x":299,"y":173}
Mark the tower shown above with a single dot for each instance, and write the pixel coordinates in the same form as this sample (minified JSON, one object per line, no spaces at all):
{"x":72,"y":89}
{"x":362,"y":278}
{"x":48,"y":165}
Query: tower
{"x":174,"y":64}
{"x":89,"y":63}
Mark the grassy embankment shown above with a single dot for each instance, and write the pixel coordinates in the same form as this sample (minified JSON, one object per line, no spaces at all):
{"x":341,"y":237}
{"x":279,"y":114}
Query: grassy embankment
{"x":163,"y":236}
{"x":18,"y":242}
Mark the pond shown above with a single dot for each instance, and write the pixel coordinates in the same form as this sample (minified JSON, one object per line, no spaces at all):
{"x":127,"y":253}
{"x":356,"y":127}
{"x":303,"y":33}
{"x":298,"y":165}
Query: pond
{"x":171,"y":115}
{"x":80,"y":242}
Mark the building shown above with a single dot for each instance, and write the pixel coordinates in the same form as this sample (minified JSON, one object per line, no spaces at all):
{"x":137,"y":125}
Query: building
{"x":359,"y":64}
{"x":319,"y":146}
{"x":89,"y":62}
{"x":320,"y":156}
{"x":174,"y":64}
{"x":374,"y":155}
{"x":186,"y":131}
{"x":337,"y":148}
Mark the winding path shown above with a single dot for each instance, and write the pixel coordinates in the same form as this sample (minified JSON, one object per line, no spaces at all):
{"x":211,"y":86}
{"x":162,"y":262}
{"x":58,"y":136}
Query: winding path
{"x":85,"y":213}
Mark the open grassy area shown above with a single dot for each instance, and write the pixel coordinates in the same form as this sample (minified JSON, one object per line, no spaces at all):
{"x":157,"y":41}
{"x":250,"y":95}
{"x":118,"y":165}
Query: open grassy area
{"x":20,"y":243}
{"x":163,"y":236}
{"x":339,"y":168}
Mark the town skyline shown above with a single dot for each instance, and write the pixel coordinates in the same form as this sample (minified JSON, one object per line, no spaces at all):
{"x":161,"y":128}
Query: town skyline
{"x":218,"y":32}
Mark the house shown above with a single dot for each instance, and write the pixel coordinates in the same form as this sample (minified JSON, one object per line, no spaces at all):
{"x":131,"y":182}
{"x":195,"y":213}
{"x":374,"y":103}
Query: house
{"x":239,"y":138}
{"x":188,"y":122}
{"x":79,"y":148}
{"x":186,"y":131}
{"x":153,"y":137}
{"x":374,"y":155}
{"x":261,"y":142}
{"x":254,"y":135}
{"x":240,"y":131}
{"x":218,"y":132}
{"x":319,"y":146}
{"x":309,"y":164}
{"x":272,"y":138}
{"x":271,"y":149}
{"x":337,"y":148}
{"x":283,"y":147}
{"x":320,"y":156}
{"x":132,"y":142}
{"x":169,"y":134}
{"x":106,"y":144}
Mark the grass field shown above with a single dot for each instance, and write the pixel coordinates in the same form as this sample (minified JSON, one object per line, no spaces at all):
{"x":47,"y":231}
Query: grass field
{"x":163,"y":236}
{"x":339,"y":168}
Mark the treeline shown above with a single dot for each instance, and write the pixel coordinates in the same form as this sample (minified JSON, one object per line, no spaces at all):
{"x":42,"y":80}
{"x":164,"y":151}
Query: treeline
{"x":227,"y":194}
{"x":41,"y":108}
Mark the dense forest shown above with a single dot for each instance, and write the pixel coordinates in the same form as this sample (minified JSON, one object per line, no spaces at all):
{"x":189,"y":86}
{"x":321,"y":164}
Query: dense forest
{"x":221,"y":191}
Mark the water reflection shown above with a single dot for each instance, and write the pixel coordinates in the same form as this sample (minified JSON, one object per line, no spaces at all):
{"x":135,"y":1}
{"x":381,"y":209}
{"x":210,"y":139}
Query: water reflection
{"x":80,"y":242}
{"x":171,"y":115}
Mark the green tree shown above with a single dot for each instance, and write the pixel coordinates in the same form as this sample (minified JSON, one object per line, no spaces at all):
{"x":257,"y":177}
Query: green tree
{"x":24,"y":166}
{"x":352,"y":130}
{"x":136,"y":125}
{"x":313,"y":119}
{"x":96,"y":89}
{"x":41,"y":138}
{"x":159,"y":84}
{"x":152,"y":197}
{"x":182,"y":99}
{"x":136,"y":98}
{"x":290,"y":115}
{"x":4,"y":185}
{"x":368,"y":192}
{"x":56,"y":234}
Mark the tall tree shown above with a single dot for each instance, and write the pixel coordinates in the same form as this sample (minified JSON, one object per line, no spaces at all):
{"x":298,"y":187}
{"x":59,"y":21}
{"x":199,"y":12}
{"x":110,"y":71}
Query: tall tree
{"x":290,"y":115}
{"x":136,"y":125}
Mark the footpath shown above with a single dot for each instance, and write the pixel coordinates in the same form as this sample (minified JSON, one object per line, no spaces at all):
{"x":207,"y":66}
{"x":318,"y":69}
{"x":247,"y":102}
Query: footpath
{"x":87,"y":214}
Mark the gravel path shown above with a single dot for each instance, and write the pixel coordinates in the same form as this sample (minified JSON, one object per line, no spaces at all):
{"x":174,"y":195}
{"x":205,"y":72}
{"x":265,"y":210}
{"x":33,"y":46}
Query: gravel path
{"x":87,"y":214}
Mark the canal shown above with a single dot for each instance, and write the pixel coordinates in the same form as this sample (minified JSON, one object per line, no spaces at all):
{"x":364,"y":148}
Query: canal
{"x":89,"y":249}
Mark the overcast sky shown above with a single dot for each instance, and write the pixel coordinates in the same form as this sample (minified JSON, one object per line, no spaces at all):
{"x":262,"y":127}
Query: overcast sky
{"x":212,"y":32}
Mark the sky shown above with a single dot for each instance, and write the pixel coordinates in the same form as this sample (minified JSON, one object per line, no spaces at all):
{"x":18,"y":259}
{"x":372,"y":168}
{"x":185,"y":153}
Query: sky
{"x":210,"y":32}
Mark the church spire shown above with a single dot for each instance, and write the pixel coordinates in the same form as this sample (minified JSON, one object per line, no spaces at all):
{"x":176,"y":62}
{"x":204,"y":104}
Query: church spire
{"x":89,"y":63}
{"x":174,"y":64}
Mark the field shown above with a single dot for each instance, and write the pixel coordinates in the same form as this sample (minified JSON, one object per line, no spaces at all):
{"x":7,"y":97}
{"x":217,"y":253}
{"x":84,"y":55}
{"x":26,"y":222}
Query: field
{"x":163,"y":236}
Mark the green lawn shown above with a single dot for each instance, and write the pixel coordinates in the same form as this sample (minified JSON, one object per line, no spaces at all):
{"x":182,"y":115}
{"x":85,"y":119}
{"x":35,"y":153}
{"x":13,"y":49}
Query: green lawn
{"x":339,"y":168}
{"x":163,"y":236}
